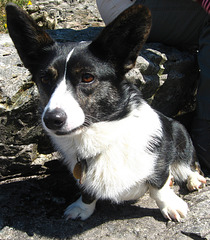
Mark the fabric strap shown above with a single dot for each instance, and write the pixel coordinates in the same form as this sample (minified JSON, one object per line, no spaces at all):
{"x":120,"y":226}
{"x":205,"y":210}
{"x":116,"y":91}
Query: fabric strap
{"x":205,"y":4}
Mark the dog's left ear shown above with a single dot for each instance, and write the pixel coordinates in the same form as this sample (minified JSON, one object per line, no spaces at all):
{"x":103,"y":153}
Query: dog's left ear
{"x":121,"y":41}
{"x":30,"y":40}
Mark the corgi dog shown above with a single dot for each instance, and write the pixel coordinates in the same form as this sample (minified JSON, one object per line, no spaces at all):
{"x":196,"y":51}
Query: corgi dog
{"x":113,"y":142}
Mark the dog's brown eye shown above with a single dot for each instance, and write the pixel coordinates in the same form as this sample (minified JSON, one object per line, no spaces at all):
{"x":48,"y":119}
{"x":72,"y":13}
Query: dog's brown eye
{"x":87,"y":78}
{"x":45,"y":80}
{"x":49,"y":75}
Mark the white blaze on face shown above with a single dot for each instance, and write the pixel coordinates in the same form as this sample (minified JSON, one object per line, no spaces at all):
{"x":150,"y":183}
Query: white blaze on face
{"x":63,"y":98}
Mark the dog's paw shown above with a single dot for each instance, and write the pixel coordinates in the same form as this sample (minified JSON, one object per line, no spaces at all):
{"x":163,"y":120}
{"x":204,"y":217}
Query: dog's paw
{"x":175,"y":209}
{"x":79,"y":210}
{"x":195,"y":181}
{"x":171,"y":206}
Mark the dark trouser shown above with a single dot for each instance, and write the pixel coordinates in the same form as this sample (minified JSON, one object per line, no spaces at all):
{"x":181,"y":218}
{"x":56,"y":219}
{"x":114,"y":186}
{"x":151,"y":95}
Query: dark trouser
{"x":184,"y":23}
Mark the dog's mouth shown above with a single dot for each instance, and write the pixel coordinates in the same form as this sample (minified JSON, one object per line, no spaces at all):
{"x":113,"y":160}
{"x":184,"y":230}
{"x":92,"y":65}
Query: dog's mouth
{"x":63,"y":132}
{"x":72,"y":131}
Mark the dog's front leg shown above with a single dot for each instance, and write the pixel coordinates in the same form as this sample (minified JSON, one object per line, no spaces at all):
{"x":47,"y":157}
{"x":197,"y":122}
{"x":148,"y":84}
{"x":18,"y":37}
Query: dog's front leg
{"x":82,"y":209}
{"x":171,"y":206}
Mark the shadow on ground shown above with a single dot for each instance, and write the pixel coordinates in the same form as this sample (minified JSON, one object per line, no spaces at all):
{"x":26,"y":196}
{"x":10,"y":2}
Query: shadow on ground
{"x":71,"y":35}
{"x":36,"y":205}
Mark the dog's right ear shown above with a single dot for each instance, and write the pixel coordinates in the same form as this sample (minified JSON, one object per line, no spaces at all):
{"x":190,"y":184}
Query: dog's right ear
{"x":121,"y":41}
{"x":30,"y":40}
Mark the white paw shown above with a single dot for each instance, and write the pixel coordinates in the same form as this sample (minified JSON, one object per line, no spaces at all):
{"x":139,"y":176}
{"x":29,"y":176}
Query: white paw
{"x":171,"y":206}
{"x":195,"y":181}
{"x":174,"y":209}
{"x":79,"y":210}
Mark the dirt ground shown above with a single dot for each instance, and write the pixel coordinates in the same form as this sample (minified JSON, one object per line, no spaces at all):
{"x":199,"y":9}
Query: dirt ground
{"x":32,"y":207}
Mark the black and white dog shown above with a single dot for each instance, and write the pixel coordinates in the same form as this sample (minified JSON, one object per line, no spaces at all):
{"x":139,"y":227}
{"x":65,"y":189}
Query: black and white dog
{"x":113,"y":142}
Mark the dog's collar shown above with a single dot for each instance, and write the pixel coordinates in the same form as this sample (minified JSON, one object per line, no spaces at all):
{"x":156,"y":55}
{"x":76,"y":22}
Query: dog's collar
{"x":80,"y":169}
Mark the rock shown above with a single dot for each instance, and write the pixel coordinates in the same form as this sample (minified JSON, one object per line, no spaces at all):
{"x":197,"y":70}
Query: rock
{"x":32,"y":208}
{"x":65,"y":14}
{"x":19,"y":112}
{"x":169,"y":78}
{"x":33,"y":8}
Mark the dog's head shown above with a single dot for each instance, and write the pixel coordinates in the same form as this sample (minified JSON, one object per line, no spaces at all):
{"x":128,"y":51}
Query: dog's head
{"x":81,"y":83}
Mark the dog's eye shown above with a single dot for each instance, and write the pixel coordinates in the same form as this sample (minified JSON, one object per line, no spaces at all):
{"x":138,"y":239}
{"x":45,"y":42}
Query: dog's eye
{"x":87,"y":78}
{"x":45,"y":80}
{"x":49,"y":75}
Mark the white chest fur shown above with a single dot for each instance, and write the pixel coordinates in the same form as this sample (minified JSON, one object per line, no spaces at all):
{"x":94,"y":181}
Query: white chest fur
{"x":118,"y":162}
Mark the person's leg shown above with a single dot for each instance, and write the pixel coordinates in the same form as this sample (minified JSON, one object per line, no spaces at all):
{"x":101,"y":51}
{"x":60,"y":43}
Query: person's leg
{"x":175,"y":22}
{"x":110,"y":9}
{"x":201,"y":123}
{"x":203,"y":95}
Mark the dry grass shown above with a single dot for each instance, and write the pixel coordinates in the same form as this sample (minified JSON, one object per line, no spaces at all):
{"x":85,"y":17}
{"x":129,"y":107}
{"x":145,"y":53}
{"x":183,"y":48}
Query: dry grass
{"x":3,"y":3}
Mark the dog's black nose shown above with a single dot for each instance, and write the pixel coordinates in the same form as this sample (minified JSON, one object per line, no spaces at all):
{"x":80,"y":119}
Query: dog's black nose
{"x":55,"y":119}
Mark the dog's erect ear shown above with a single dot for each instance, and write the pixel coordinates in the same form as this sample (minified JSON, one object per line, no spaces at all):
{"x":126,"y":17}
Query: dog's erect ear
{"x":29,"y":39}
{"x":121,"y":40}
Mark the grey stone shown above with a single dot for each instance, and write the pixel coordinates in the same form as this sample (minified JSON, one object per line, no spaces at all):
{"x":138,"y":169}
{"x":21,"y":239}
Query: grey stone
{"x":19,"y":112}
{"x":32,"y":208}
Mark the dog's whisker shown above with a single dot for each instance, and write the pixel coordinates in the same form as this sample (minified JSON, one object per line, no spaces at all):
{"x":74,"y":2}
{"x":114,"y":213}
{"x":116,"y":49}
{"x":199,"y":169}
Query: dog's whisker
{"x":89,"y":119}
